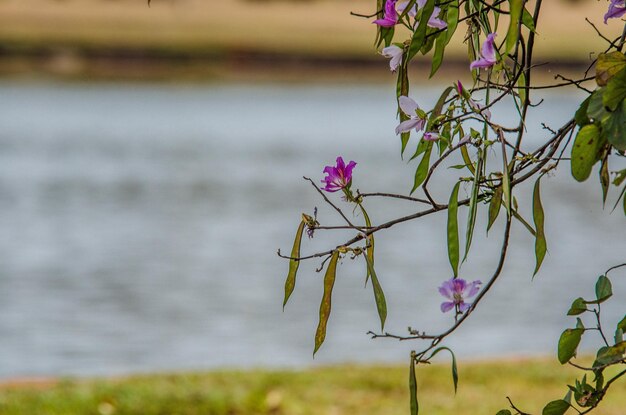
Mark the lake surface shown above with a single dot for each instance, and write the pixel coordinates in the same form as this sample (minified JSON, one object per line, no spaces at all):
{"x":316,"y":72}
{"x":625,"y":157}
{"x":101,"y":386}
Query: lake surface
{"x":139,"y":226}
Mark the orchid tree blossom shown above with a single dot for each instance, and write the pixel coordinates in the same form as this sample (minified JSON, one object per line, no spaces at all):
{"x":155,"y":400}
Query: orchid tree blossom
{"x":394,"y":53}
{"x":338,"y":177}
{"x":434,"y":21}
{"x":431,"y":136}
{"x":457,"y":290}
{"x":488,"y":55}
{"x":617,"y":8}
{"x":390,"y":17}
{"x":417,"y":118}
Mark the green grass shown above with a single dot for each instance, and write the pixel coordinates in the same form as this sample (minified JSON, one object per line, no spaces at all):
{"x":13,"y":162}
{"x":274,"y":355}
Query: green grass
{"x":362,"y":390}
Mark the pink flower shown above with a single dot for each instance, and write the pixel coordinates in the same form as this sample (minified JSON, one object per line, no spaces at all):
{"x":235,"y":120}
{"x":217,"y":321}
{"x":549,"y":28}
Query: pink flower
{"x":338,"y":177}
{"x":617,"y":8}
{"x":430,"y":136}
{"x":457,"y":290}
{"x":416,"y":120}
{"x":390,"y":17}
{"x":433,"y":20}
{"x":488,"y":56}
{"x":394,"y":53}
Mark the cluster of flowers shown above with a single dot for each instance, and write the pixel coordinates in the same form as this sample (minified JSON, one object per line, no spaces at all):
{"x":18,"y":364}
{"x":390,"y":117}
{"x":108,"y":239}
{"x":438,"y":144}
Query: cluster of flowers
{"x":339,"y":177}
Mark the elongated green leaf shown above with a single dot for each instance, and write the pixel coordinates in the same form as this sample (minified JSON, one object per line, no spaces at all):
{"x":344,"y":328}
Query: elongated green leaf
{"x":521,"y":88}
{"x":538,"y":217}
{"x":436,"y":112}
{"x":473,"y":204}
{"x":568,"y":343}
{"x":370,"y":242}
{"x":413,"y":386}
{"x":325,"y":306}
{"x":558,"y":407}
{"x":604,"y":290}
{"x":494,"y":207}
{"x":379,"y":295}
{"x":453,"y":229}
{"x":527,"y":20}
{"x":419,"y":35}
{"x":440,"y":47}
{"x":455,"y":372}
{"x":290,"y":282}
{"x":422,"y":168}
{"x":578,"y":307}
{"x":585,"y":151}
{"x":516,"y":7}
{"x":467,"y":160}
{"x":452,"y":18}
{"x":402,"y":89}
{"x":604,"y":179}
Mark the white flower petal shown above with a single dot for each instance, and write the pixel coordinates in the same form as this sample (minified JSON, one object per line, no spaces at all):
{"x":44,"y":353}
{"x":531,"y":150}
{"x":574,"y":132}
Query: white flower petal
{"x":408,"y":106}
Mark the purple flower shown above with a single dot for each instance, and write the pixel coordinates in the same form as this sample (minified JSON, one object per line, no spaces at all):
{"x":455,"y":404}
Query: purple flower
{"x":433,"y":21}
{"x":457,"y":290}
{"x":338,"y":177}
{"x":487,"y":54}
{"x":430,"y":136}
{"x":394,"y":53}
{"x":617,"y":8}
{"x":390,"y":18}
{"x":416,"y":120}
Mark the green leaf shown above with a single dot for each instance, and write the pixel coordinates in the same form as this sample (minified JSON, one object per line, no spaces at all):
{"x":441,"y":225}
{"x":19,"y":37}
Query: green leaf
{"x":578,"y":307}
{"x":604,"y":290}
{"x":610,"y":355}
{"x":436,"y":112}
{"x":455,"y":372}
{"x":619,"y":336}
{"x":325,"y":306}
{"x":467,"y":160}
{"x":608,"y":65}
{"x":494,"y":207}
{"x":579,"y":323}
{"x":515,"y":9}
{"x":453,"y":229}
{"x":452,"y":18}
{"x":528,"y":21}
{"x":585,"y":151}
{"x":379,"y":295}
{"x":290,"y":282}
{"x":440,"y":47}
{"x":419,"y":35}
{"x":473,"y":204}
{"x":538,"y":217}
{"x":413,"y":386}
{"x":581,"y":117}
{"x":370,"y":243}
{"x":604,"y":178}
{"x":568,"y":343}
{"x":521,"y":88}
{"x":622,"y":324}
{"x":595,"y":109}
{"x":504,"y":412}
{"x":402,"y":89}
{"x":615,"y":91}
{"x":614,"y":128}
{"x":422,"y":168}
{"x":558,"y":407}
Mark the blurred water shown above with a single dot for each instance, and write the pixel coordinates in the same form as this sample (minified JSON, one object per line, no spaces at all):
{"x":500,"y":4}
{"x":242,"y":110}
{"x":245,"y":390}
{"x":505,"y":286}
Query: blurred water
{"x":139,"y":226}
